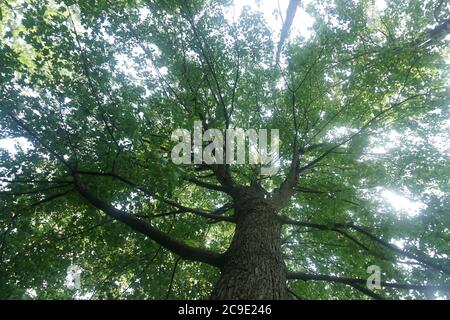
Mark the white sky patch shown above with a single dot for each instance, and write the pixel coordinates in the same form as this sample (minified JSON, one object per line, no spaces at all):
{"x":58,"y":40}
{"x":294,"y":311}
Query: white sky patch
{"x":440,"y":139}
{"x":31,"y":293}
{"x":384,"y":143}
{"x":13,"y":145}
{"x":378,"y":150}
{"x":399,"y":243}
{"x":127,"y":66}
{"x":144,"y":13}
{"x":380,"y":5}
{"x":339,"y":133}
{"x":402,"y":204}
{"x":83,"y":296}
{"x":375,"y":11}
{"x":301,"y":25}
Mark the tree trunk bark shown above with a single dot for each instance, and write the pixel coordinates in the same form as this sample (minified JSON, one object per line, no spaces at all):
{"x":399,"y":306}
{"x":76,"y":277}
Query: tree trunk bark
{"x":254,"y":267}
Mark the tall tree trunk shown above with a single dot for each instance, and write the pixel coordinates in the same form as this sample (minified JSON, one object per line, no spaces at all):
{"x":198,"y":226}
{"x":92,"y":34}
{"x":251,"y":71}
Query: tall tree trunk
{"x":254,"y":268}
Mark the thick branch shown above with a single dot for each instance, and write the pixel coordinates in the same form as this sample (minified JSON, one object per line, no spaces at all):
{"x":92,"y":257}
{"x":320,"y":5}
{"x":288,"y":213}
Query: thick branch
{"x":394,"y":248}
{"x":339,"y":228}
{"x":185,"y":251}
{"x":215,"y":215}
{"x":290,"y":14}
{"x":350,"y":281}
{"x":206,"y":185}
{"x":284,"y":192}
{"x":212,"y":215}
{"x":435,"y":34}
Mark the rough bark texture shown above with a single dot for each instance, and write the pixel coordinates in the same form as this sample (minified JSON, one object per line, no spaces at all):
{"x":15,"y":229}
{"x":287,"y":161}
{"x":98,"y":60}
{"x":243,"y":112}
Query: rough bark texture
{"x":253,"y":268}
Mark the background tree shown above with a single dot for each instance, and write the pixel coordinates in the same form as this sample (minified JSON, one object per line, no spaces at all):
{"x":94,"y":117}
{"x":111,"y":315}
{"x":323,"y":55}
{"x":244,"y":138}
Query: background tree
{"x":94,"y":89}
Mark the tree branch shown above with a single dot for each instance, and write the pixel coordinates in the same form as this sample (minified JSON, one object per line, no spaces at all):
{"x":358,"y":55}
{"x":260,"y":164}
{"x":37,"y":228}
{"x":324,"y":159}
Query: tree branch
{"x":206,"y":185}
{"x":338,"y":228}
{"x":349,"y":281}
{"x":363,"y":128}
{"x":396,"y":249}
{"x":185,"y":251}
{"x":290,"y":14}
{"x":172,"y":277}
{"x":200,"y":212}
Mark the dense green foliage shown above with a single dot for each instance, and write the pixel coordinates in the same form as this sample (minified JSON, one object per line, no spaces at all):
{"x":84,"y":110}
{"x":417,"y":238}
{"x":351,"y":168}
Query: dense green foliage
{"x":97,"y":87}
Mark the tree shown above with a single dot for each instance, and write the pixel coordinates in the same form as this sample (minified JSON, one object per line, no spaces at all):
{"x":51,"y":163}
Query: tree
{"x":94,"y":89}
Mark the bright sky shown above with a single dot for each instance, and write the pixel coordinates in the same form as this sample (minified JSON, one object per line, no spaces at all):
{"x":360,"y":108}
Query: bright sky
{"x":270,"y":8}
{"x":402,"y":204}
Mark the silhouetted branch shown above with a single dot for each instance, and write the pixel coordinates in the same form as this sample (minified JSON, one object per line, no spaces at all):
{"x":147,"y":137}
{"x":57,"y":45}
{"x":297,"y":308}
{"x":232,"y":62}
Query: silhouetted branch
{"x":406,"y":286}
{"x":162,"y":238}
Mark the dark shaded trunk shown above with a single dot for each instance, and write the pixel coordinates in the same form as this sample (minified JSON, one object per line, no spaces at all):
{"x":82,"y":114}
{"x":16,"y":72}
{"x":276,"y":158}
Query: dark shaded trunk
{"x":253,"y":268}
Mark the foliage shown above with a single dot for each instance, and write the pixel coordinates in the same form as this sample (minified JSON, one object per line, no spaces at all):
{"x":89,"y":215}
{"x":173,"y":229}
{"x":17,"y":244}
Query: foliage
{"x":97,"y":87}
